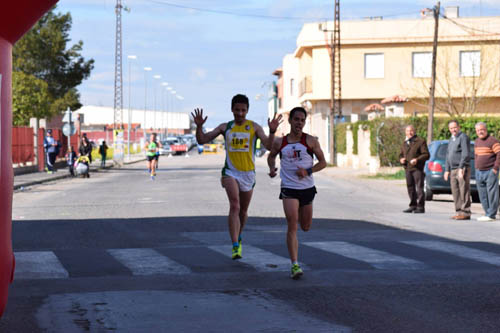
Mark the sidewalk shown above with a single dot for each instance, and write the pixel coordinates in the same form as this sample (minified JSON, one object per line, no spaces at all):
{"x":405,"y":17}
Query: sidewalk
{"x":34,"y":178}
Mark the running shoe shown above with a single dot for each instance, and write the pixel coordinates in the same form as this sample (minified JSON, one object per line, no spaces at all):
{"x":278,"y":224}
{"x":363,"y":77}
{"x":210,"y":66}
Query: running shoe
{"x":236,"y":254}
{"x":296,"y":272}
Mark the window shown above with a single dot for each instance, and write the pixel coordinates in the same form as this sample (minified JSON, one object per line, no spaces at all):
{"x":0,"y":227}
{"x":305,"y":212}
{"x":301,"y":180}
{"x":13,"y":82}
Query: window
{"x":374,"y":66}
{"x":292,"y":82}
{"x":470,"y":63}
{"x":422,"y":64}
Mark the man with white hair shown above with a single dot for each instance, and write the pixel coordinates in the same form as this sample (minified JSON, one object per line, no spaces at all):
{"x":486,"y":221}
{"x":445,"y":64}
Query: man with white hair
{"x":413,"y":155}
{"x":487,"y":163}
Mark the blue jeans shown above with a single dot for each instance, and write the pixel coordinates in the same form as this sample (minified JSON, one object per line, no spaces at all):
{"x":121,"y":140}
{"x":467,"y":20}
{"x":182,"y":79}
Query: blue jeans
{"x":487,"y":187}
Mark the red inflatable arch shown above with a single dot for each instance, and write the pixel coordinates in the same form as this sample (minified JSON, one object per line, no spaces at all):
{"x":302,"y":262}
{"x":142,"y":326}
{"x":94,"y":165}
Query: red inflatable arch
{"x":16,"y":17}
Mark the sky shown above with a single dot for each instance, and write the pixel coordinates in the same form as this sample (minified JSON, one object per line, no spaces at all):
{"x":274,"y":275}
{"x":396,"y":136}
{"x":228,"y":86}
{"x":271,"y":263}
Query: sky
{"x":210,"y":50}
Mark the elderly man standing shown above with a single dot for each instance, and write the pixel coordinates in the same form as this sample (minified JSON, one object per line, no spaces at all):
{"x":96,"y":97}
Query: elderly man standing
{"x":487,"y":162}
{"x":457,"y":169}
{"x":413,"y":155}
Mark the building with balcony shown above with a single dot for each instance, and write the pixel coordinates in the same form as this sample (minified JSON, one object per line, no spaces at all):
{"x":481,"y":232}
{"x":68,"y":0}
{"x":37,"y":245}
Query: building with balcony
{"x":388,"y":62}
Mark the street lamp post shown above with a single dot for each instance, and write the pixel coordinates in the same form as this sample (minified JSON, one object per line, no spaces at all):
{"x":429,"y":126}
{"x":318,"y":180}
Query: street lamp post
{"x":164,"y":107}
{"x":130,"y":57}
{"x":146,"y":70}
{"x":156,"y":77}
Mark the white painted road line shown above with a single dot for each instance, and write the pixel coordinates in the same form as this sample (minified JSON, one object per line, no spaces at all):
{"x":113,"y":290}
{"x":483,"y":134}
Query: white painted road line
{"x":38,"y":265}
{"x":376,"y":258}
{"x":458,"y":250}
{"x":147,"y":262}
{"x":261,"y":260}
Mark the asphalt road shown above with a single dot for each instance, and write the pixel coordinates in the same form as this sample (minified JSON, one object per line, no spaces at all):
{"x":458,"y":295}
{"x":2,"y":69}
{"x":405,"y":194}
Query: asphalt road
{"x":121,"y":253}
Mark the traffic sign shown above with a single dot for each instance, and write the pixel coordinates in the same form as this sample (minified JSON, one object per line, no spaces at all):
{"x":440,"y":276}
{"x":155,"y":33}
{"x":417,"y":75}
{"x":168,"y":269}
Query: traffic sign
{"x":69,"y":129}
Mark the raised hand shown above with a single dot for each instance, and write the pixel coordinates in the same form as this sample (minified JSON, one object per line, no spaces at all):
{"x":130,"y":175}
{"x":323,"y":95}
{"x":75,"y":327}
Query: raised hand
{"x":198,"y":117}
{"x":272,"y":172}
{"x":274,"y":124}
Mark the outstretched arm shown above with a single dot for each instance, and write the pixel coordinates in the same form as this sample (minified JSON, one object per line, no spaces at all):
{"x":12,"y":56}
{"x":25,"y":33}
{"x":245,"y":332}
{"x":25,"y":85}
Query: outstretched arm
{"x":267,"y":141}
{"x":271,"y":158}
{"x":201,"y":137}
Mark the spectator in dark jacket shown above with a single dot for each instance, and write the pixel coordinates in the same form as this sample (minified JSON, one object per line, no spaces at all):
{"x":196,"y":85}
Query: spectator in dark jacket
{"x":457,"y":168}
{"x":413,"y":155}
{"x":103,"y":150}
{"x":86,"y":149}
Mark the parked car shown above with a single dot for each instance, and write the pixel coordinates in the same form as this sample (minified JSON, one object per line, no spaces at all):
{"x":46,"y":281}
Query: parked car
{"x":434,"y":172}
{"x":190,"y":140}
{"x":177,"y":145}
{"x":165,"y":148}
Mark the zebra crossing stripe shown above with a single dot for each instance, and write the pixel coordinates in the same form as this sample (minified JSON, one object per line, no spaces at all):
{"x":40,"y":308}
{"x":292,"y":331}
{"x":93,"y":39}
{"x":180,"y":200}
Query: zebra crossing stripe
{"x":38,"y":265}
{"x":458,"y":250}
{"x":376,"y":258}
{"x":147,"y":262}
{"x":261,"y":260}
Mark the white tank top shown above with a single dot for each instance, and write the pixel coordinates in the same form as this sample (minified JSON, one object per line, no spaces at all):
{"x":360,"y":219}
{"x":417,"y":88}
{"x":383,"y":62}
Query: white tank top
{"x":294,"y":156}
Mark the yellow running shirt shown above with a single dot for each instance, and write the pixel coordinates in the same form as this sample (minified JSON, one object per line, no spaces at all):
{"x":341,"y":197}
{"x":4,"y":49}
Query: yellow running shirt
{"x":240,"y":146}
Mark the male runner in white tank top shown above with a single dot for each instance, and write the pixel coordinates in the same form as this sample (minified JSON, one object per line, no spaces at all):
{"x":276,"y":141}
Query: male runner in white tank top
{"x":296,"y":152}
{"x":238,"y":173}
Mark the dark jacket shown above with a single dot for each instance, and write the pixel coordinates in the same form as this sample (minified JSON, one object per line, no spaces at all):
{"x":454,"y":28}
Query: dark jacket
{"x":458,"y":153}
{"x":417,"y":148}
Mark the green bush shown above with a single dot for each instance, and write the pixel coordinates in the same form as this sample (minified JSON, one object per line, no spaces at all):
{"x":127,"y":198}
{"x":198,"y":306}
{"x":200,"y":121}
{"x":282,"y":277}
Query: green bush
{"x":354,"y":130}
{"x":340,"y":135}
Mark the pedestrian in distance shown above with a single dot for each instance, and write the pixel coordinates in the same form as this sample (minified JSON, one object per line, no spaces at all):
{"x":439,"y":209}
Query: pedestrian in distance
{"x":457,"y":169}
{"x":297,"y":150}
{"x":152,"y":148}
{"x":103,"y":150}
{"x":487,"y":163}
{"x":87,"y":144}
{"x":412,"y":156}
{"x":86,"y":149}
{"x":50,"y":146}
{"x":238,"y":173}
{"x":70,"y":160}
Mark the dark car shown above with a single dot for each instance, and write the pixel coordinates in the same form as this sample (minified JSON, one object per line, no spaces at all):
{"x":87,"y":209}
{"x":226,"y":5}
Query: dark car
{"x":434,"y":172}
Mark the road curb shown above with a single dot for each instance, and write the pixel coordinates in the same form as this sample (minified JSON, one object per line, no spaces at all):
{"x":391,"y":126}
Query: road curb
{"x":65,"y":175}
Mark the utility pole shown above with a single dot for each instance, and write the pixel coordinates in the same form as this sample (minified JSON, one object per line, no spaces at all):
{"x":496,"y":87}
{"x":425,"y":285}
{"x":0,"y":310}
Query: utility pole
{"x":118,"y":104}
{"x":335,"y":81}
{"x":430,"y":123}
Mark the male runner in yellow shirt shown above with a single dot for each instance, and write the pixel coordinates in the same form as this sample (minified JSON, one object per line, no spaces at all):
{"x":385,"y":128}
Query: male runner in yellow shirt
{"x":238,"y":173}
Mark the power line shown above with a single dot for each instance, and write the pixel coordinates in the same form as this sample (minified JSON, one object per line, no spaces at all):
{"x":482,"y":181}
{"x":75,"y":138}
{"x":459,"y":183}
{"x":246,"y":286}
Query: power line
{"x":272,"y":17}
{"x":470,"y":30}
{"x":224,"y":12}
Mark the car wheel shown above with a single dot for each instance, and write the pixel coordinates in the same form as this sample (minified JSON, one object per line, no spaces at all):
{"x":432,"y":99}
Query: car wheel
{"x":427,"y":191}
{"x":475,"y":197}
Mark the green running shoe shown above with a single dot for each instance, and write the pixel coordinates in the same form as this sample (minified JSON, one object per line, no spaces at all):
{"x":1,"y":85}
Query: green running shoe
{"x":236,"y":254}
{"x":296,"y":272}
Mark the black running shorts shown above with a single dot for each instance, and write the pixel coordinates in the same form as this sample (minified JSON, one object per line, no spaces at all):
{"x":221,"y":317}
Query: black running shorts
{"x":305,"y":196}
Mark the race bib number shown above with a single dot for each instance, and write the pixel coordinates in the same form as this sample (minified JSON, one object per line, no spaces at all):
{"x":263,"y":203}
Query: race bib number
{"x":240,"y":142}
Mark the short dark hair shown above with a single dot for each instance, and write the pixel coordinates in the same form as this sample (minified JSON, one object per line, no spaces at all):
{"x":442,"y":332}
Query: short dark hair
{"x":454,"y":121}
{"x":240,"y":99}
{"x":298,"y":109}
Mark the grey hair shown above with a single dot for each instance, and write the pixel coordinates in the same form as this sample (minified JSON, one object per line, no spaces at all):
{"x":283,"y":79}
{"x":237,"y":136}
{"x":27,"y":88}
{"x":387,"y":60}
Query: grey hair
{"x":481,"y":123}
{"x":413,"y":127}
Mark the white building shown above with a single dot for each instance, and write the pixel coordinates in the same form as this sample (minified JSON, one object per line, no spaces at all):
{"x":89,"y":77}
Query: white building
{"x":101,"y":115}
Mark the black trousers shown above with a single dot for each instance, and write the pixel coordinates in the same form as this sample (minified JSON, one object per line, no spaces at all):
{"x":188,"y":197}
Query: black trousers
{"x":415,"y":185}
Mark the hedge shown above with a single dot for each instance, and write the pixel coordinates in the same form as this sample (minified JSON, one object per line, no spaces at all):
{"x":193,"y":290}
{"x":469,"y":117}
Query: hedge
{"x":391,"y":133}
{"x":340,"y":135}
